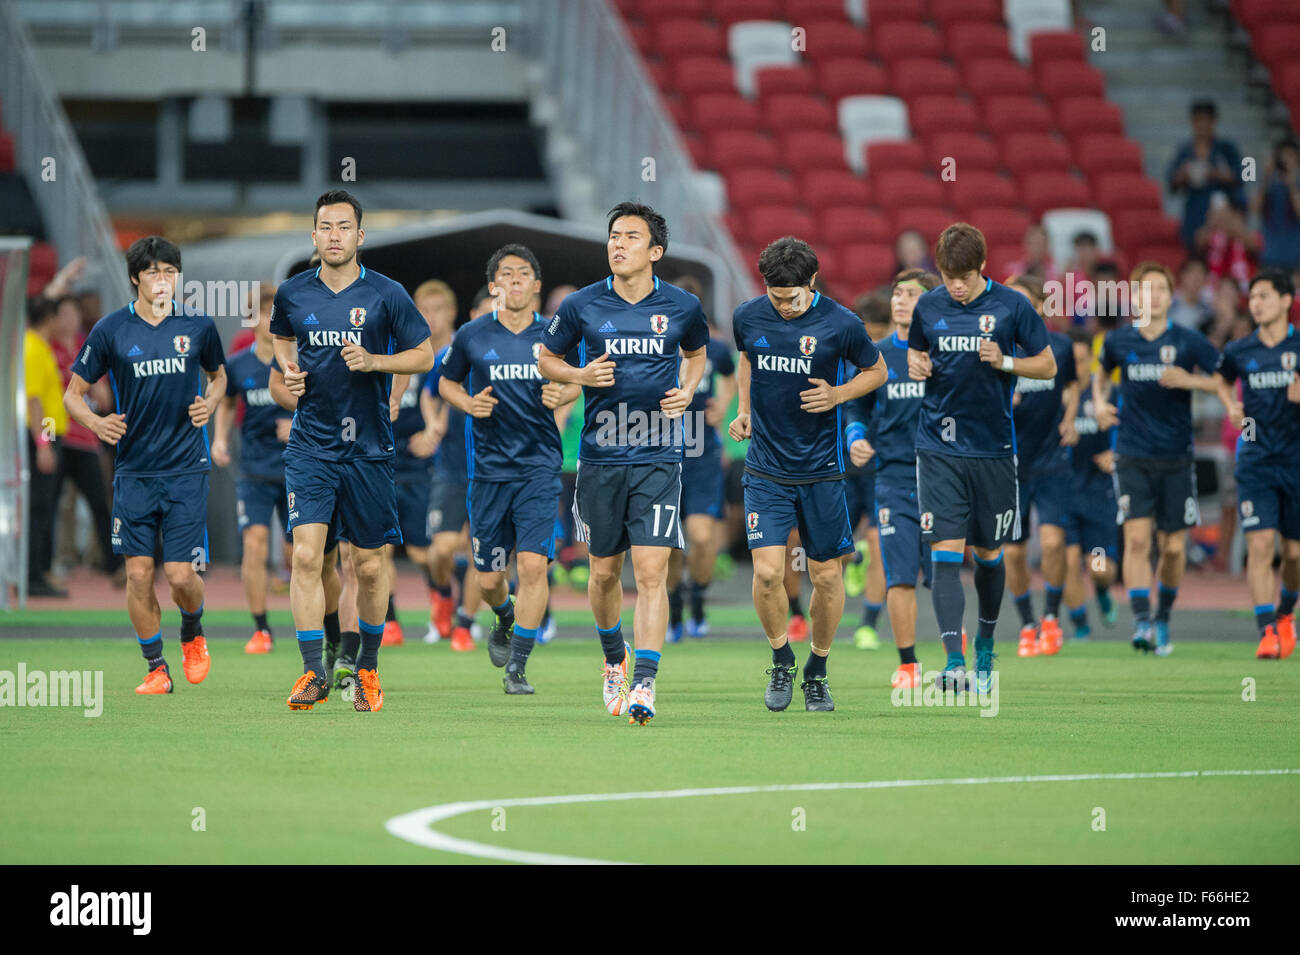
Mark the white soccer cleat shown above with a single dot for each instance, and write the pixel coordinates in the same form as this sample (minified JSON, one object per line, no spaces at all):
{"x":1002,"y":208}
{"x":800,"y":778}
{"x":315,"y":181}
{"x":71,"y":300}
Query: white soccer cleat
{"x":641,"y":703}
{"x":432,"y":635}
{"x":615,"y":688}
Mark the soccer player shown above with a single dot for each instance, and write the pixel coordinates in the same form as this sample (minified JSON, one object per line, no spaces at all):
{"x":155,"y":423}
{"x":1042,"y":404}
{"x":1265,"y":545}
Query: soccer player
{"x":1043,"y":411}
{"x":491,"y":374}
{"x":629,"y":329}
{"x":340,"y":332}
{"x":793,"y":343}
{"x":893,"y":448}
{"x":260,"y":489}
{"x":961,"y":343}
{"x":1268,"y":478}
{"x":1154,"y":470}
{"x":1091,"y":526}
{"x":153,"y":353}
{"x":702,"y":490}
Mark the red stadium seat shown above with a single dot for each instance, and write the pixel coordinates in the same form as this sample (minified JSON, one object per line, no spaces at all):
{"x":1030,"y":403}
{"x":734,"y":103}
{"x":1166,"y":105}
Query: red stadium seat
{"x":1041,"y":191}
{"x":832,"y":39}
{"x":800,"y":11}
{"x":672,"y":9}
{"x":943,"y":11}
{"x":680,"y":111}
{"x":847,"y":224}
{"x":985,"y":78}
{"x":889,"y":11}
{"x":924,"y":77}
{"x":42,"y":262}
{"x":1000,"y":226}
{"x":1000,"y":258}
{"x":776,"y":80}
{"x":864,"y":265}
{"x":641,"y":37}
{"x":1107,"y":153}
{"x":747,"y":188}
{"x":6,"y":152}
{"x":699,"y":150}
{"x":1035,"y":152}
{"x":811,"y":149}
{"x":905,"y":39}
{"x":976,"y":187}
{"x":934,"y":114}
{"x":1058,"y":80}
{"x":1079,"y":118}
{"x":885,"y":155}
{"x":1170,"y":255}
{"x":838,"y":78}
{"x":897,"y":188}
{"x":1136,"y":227}
{"x":1254,"y":14}
{"x":1012,"y":114}
{"x":727,"y":12}
{"x":968,"y":41}
{"x":767,"y":223}
{"x":1048,"y":45}
{"x":930,"y":221}
{"x":702,"y":74}
{"x":821,"y":189}
{"x":793,"y":109}
{"x":675,"y":38}
{"x":1126,"y":190}
{"x":723,"y":111}
{"x":660,"y":72}
{"x":731,"y":148}
{"x":628,"y":8}
{"x":971,"y":151}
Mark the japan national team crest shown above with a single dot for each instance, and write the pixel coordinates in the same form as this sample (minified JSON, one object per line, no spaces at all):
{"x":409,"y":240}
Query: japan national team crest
{"x":1168,"y":353}
{"x":807,"y":345}
{"x":659,"y":324}
{"x":537,"y":350}
{"x":927,"y":521}
{"x":357,"y":317}
{"x":987,"y":324}
{"x":291,"y":500}
{"x":752,"y":520}
{"x":182,"y":344}
{"x":117,"y":526}
{"x":883,"y":515}
{"x":1247,"y":508}
{"x":1288,"y":361}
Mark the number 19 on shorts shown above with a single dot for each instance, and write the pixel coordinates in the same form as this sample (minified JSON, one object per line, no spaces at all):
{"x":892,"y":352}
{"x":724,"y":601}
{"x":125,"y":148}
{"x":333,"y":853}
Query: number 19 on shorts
{"x":1004,"y":522}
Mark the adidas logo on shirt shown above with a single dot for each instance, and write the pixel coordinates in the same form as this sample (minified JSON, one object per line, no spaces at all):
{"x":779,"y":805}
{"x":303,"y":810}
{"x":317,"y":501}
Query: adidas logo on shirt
{"x":311,"y":319}
{"x":1253,"y":366}
{"x":941,"y":324}
{"x":608,"y":328}
{"x":135,"y":350}
{"x":762,"y":342}
{"x":492,"y":355}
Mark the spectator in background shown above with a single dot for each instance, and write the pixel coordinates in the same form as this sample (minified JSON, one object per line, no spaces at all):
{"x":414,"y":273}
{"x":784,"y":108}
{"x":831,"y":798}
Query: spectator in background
{"x":1229,"y":245}
{"x":80,"y":457}
{"x":1037,"y":259}
{"x":912,"y":252}
{"x":1230,"y":320}
{"x":874,"y":310}
{"x":1202,"y":167}
{"x":1087,"y":253}
{"x":1277,"y":203}
{"x":1191,"y":306}
{"x":47,"y":422}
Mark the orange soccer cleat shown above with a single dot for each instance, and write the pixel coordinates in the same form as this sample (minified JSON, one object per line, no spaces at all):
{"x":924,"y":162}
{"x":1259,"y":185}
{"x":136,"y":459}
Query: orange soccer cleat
{"x":906,"y":677}
{"x":308,"y":691}
{"x":797,"y":629}
{"x":368,"y":696}
{"x":440,"y":613}
{"x":1286,"y":633}
{"x":1270,"y":644}
{"x":197,"y":660}
{"x":1050,"y":637}
{"x":461,"y":640}
{"x":158,"y":681}
{"x":1029,"y":646}
{"x":259,"y":642}
{"x":392,"y":634}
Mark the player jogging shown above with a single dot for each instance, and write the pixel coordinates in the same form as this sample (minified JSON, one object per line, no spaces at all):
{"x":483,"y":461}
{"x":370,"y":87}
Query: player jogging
{"x":961,"y":345}
{"x":1268,"y":478}
{"x":793,"y":343}
{"x":340,"y":332}
{"x":152,"y":352}
{"x":629,"y":329}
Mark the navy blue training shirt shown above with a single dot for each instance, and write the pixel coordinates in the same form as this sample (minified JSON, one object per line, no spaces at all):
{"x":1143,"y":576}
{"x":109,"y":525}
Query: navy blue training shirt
{"x":892,"y":429}
{"x":790,"y":445}
{"x":449,"y":461}
{"x":622,"y":423}
{"x":519,"y":440}
{"x":1093,"y":440}
{"x":966,"y":399}
{"x":1155,"y":421}
{"x":1265,"y":374}
{"x":344,"y":414}
{"x":261,"y":453}
{"x":718,"y":360}
{"x":1039,"y":412}
{"x":410,"y":422}
{"x":156,"y":372}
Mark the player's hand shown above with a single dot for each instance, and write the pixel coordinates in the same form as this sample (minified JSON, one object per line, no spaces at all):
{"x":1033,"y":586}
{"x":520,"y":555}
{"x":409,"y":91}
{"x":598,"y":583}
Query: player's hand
{"x":860,"y":452}
{"x":739,"y":428}
{"x":199,"y":412}
{"x":109,"y":428}
{"x":599,"y":373}
{"x":552,"y":394}
{"x":1237,"y":412}
{"x":295,"y":380}
{"x":481,"y":405}
{"x":919,"y":366}
{"x":1069,"y":436}
{"x":282,"y":428}
{"x":47,"y":461}
{"x":990,"y":352}
{"x":394,"y":406}
{"x":674,"y":402}
{"x":713,"y":413}
{"x":1293,"y":389}
{"x":822,"y":396}
{"x":1175,"y":377}
{"x":358,"y":359}
{"x":220,"y":453}
{"x":1105,"y":461}
{"x":422,"y":444}
{"x":1107,"y":415}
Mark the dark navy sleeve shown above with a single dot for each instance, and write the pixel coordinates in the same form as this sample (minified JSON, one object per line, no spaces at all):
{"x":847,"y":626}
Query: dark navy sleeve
{"x":858,"y":347}
{"x":1107,"y":358}
{"x":736,"y":333}
{"x":232,"y":380}
{"x":696,"y":335}
{"x":725,"y":363}
{"x":212,"y":356}
{"x":455,"y":363}
{"x":1031,"y":333}
{"x":280,"y":324}
{"x":564,"y":330}
{"x":409,"y":326}
{"x":1205,"y":354}
{"x":916,"y":333}
{"x":1066,"y":367}
{"x":1228,"y":365}
{"x":93,"y":361}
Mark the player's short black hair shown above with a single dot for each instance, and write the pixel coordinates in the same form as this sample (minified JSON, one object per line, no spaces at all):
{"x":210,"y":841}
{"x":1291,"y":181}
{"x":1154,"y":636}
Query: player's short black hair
{"x":787,"y":263}
{"x":656,"y":223}
{"x":514,"y":248}
{"x":143,"y":253}
{"x":1080,"y":335}
{"x":927,"y":280}
{"x":1106,"y":267}
{"x":1193,"y":260}
{"x":960,"y":250}
{"x":1278,"y":278}
{"x":1206,"y":107}
{"x":333,"y":198}
{"x":40,"y":310}
{"x":1085,"y":236}
{"x":479,"y":296}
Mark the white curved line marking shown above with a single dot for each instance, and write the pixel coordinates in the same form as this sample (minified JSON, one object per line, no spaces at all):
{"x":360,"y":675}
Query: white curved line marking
{"x":416,"y":827}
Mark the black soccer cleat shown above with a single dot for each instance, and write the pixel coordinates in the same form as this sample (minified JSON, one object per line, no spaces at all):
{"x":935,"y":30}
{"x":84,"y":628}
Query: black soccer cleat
{"x":516,"y":684}
{"x":780,"y":687}
{"x":955,"y":679}
{"x":817,"y":695}
{"x":499,"y":643}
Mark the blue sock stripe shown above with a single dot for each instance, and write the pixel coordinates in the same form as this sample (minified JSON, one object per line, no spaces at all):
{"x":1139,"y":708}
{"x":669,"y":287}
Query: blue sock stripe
{"x":1052,"y":590}
{"x":526,"y":633}
{"x":648,"y":655}
{"x":501,"y":608}
{"x":306,"y":635}
{"x":946,"y":557}
{"x":1020,"y":596}
{"x":156,"y":637}
{"x":1265,"y":608}
{"x":1290,"y":594}
{"x":612,"y":630}
{"x":197,"y":613}
{"x":870,"y":606}
{"x":1139,"y":592}
{"x":373,"y":629}
{"x":1168,"y":591}
{"x":988,"y":563}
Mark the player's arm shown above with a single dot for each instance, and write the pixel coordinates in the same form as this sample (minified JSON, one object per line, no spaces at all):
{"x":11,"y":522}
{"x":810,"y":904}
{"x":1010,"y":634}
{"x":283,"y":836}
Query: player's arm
{"x":676,"y":400}
{"x":479,"y":405}
{"x":823,"y":396}
{"x":556,"y":396}
{"x":739,"y":429}
{"x":205,"y":405}
{"x":855,"y":432}
{"x":395,"y":391}
{"x":280,"y":392}
{"x":1227,"y":394}
{"x":1070,"y":398}
{"x":1176,"y":377}
{"x":108,"y":428}
{"x":408,"y":362}
{"x":1042,"y":365}
{"x":723,"y":391}
{"x":286,"y":356}
{"x":221,"y":431}
{"x":594,"y":374}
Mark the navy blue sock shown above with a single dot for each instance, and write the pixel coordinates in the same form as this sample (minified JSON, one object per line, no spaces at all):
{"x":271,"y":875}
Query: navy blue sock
{"x":1140,"y":600}
{"x":153,"y":651}
{"x":505,"y":612}
{"x":611,"y":641}
{"x":646,"y":666}
{"x":310,"y":645}
{"x":1052,"y":606}
{"x":1165,"y":602}
{"x":1025,"y":605}
{"x":460,"y":567}
{"x":949,"y":599}
{"x":990,"y":582}
{"x":871,"y":613}
{"x":350,"y":645}
{"x":814,"y":668}
{"x":391,"y":613}
{"x":521,"y":644}
{"x":462,"y":619}
{"x":332,"y":634}
{"x":675,"y":605}
{"x":1287,"y":604}
{"x":1265,"y":616}
{"x":1103,"y":599}
{"x":784,"y":657}
{"x":907,"y":654}
{"x":372,"y":634}
{"x":444,"y":591}
{"x":191,"y":624}
{"x":695,"y":592}
{"x":1079,"y":617}
{"x":796,"y":608}
{"x":428,"y":578}
{"x":260,"y":622}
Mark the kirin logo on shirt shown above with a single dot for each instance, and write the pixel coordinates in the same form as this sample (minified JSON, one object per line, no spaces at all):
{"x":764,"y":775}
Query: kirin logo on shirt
{"x":659,"y":324}
{"x":357,"y":317}
{"x":987,"y":324}
{"x":807,"y":345}
{"x":182,"y":344}
{"x":1288,"y":360}
{"x":1168,"y":353}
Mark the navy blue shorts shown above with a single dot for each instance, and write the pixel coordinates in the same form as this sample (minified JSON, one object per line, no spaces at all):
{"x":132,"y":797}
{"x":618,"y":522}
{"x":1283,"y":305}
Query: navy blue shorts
{"x":819,"y":510}
{"x":860,"y":493}
{"x":1051,"y":497}
{"x":448,"y":509}
{"x":413,"y":512}
{"x":174,"y":505}
{"x":703,"y":484}
{"x":1163,"y":489}
{"x":1268,"y":498}
{"x":1092,"y":522}
{"x":617,"y":506}
{"x":974,"y":499}
{"x":257,"y":498}
{"x":360,"y":494}
{"x":506,"y":516}
{"x":902,"y":553}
